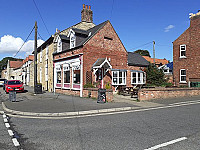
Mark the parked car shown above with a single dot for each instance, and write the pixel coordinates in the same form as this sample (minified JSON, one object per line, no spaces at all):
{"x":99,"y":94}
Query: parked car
{"x":5,"y":81}
{"x":16,"y":85}
{"x":2,"y":82}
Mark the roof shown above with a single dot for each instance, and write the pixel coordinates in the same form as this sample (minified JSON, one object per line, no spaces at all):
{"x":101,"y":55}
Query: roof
{"x":89,"y":34}
{"x":64,"y":37}
{"x":92,"y":32}
{"x":170,"y":65}
{"x":135,"y":59}
{"x":157,"y":61}
{"x":50,"y":39}
{"x":100,"y":62}
{"x":15,"y":64}
{"x":30,"y":57}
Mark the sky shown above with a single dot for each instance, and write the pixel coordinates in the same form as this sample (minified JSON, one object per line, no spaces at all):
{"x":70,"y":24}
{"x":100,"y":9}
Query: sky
{"x":137,"y":22}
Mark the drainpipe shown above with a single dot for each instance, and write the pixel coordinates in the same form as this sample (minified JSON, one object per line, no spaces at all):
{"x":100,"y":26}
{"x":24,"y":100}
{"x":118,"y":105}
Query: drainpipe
{"x":81,"y":84}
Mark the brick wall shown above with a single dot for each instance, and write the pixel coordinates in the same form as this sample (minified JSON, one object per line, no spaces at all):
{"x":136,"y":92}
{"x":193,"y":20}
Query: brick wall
{"x":93,"y":92}
{"x":191,"y":38}
{"x":163,"y":93}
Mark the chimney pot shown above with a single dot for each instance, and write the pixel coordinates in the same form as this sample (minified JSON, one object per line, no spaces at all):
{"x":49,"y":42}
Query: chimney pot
{"x":86,"y":7}
{"x":90,"y":7}
{"x":83,"y":6}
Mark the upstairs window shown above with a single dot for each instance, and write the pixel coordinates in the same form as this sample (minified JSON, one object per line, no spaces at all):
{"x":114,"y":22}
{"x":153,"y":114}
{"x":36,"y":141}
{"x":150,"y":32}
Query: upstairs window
{"x":183,"y":51}
{"x":59,"y":44}
{"x":183,"y":76}
{"x":119,"y":77}
{"x":72,"y":40}
{"x":47,"y":52}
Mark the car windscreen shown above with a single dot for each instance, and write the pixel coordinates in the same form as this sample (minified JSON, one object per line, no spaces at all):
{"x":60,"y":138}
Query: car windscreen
{"x":13,"y":82}
{"x":2,"y":79}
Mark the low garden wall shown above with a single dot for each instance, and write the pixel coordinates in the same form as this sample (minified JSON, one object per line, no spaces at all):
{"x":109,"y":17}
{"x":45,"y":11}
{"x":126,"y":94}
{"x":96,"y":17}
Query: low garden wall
{"x":163,"y":93}
{"x":93,"y":93}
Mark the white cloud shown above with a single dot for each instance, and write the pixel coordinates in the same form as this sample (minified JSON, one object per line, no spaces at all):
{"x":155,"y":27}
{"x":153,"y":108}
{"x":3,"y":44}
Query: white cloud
{"x":10,"y":44}
{"x":169,"y":27}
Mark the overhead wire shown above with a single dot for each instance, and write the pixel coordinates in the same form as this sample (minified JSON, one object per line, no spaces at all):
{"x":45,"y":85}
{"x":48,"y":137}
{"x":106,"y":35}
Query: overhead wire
{"x":141,"y":45}
{"x":41,"y":16}
{"x":111,"y":9}
{"x":24,"y":42}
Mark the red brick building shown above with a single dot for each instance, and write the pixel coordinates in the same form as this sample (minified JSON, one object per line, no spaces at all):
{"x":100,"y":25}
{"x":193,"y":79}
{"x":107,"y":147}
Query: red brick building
{"x":95,"y":55}
{"x":186,"y":54}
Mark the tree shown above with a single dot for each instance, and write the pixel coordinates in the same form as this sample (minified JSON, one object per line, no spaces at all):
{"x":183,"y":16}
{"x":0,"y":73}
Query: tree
{"x":4,"y":61}
{"x":143,"y":52}
{"x":155,"y":76}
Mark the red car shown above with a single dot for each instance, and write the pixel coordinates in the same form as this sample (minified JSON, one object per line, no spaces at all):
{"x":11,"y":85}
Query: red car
{"x":16,"y":85}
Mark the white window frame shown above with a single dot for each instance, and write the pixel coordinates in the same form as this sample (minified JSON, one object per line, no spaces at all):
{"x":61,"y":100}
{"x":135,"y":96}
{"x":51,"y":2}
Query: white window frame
{"x":77,"y":67}
{"x":47,"y":52}
{"x":40,"y":74}
{"x":182,"y":51}
{"x":72,"y":37}
{"x":46,"y":72}
{"x":183,"y":76}
{"x":142,"y":78}
{"x":66,"y":68}
{"x":59,"y":44}
{"x":58,"y":69}
{"x":123,"y":77}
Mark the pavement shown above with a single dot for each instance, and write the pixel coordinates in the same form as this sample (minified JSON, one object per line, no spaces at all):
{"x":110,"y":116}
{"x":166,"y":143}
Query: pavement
{"x":53,"y":104}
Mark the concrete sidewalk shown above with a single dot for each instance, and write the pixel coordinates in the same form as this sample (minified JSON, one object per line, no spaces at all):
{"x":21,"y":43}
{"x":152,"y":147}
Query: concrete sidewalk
{"x":50,"y":104}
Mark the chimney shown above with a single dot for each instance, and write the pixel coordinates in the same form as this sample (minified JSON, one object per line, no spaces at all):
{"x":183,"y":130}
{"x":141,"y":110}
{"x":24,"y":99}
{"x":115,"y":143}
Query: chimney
{"x":194,"y":19}
{"x":86,"y":14}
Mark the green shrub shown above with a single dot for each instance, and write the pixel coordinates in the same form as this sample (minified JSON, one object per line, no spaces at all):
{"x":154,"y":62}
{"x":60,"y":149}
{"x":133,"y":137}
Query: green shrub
{"x":108,"y":85}
{"x":89,"y":85}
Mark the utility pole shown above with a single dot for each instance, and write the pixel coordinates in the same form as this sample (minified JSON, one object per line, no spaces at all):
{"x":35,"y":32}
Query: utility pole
{"x":35,"y":58}
{"x":154,"y":52}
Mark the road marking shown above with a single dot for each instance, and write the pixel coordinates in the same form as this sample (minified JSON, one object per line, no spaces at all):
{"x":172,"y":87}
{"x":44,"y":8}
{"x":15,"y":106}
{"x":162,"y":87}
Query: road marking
{"x":7,"y":125}
{"x":10,"y":132}
{"x":110,"y":113}
{"x":167,"y":143}
{"x":16,"y":143}
{"x":4,"y":116}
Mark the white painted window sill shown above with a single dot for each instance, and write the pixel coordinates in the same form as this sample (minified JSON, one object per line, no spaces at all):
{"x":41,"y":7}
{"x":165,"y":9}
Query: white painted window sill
{"x":182,"y":82}
{"x":183,"y":57}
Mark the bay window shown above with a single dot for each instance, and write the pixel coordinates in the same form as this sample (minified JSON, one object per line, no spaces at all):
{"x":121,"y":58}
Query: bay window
{"x":137,"y":77}
{"x":119,"y":77}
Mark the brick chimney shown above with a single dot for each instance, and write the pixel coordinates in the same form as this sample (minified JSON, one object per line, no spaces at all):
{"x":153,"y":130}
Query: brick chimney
{"x":194,"y":19}
{"x":86,"y":14}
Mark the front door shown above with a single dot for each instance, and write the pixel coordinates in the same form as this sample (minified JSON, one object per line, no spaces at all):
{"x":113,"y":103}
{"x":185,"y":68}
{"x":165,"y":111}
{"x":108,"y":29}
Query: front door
{"x":100,"y":77}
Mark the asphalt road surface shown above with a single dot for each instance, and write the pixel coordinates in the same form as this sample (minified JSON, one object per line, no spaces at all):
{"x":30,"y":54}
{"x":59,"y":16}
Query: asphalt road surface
{"x":175,"y":128}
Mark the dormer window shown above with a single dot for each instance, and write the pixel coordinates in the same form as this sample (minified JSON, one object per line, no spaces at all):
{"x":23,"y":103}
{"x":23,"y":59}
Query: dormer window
{"x":72,"y":37}
{"x":59,"y":44}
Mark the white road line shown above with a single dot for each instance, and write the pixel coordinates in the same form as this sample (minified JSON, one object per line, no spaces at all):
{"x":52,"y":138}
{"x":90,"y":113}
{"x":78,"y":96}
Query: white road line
{"x":16,"y":143}
{"x":167,"y":143}
{"x":5,"y":120}
{"x":7,"y":125}
{"x":4,"y":116}
{"x":10,"y":132}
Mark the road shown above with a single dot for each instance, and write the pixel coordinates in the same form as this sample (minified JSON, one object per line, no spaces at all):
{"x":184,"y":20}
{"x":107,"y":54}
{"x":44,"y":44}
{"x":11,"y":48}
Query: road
{"x":126,"y":131}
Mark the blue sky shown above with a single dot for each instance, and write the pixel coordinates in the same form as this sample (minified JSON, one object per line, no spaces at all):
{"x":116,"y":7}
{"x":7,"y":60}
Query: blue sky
{"x":137,"y":22}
